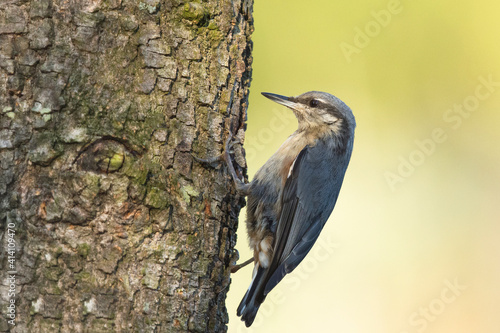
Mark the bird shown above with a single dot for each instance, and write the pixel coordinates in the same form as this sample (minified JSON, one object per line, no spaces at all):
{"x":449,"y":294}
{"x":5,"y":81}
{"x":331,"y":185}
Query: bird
{"x":293,"y":194}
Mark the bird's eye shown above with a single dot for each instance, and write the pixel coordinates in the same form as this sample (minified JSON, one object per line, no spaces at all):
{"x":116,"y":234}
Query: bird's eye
{"x":313,"y":103}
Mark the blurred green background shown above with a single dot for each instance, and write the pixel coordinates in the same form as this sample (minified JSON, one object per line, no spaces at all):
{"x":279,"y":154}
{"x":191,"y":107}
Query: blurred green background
{"x":413,"y":244}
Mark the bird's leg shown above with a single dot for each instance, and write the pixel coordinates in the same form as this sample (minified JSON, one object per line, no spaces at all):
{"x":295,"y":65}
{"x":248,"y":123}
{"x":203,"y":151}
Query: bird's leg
{"x":241,"y":187}
{"x":235,"y":268}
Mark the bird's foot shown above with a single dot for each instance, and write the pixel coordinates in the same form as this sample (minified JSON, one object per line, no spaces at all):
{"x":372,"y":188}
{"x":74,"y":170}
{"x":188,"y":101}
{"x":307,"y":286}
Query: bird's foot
{"x":225,"y":156}
{"x":235,"y":268}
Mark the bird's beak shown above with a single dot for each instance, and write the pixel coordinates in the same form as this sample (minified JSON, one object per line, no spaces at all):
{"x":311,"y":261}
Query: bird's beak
{"x":283,"y":100}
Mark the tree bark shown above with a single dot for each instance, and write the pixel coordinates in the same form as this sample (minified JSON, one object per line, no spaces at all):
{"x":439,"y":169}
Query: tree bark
{"x":107,"y":222}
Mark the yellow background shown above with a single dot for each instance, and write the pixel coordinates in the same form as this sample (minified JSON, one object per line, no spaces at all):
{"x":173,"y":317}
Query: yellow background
{"x":390,"y":251}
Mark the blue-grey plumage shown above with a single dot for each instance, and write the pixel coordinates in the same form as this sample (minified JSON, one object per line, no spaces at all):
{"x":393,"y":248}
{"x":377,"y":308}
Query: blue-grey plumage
{"x":294,"y":192}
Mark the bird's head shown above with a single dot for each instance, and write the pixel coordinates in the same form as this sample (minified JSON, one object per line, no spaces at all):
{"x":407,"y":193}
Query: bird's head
{"x":316,"y":109}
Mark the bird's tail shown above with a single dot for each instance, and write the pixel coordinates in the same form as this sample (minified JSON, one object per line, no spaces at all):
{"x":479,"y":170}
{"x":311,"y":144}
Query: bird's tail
{"x":254,"y":296}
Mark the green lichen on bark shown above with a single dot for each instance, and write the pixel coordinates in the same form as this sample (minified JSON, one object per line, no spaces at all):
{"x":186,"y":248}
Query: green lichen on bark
{"x":102,"y":105}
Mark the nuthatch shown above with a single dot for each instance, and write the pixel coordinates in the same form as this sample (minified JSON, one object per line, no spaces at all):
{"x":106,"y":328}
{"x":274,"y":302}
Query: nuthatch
{"x":294,"y":192}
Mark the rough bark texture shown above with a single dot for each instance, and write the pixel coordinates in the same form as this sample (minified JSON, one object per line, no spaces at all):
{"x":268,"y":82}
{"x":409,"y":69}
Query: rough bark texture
{"x":102,"y":104}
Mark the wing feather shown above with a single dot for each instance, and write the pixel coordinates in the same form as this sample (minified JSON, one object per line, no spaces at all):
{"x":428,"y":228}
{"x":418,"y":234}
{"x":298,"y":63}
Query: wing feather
{"x":309,"y":196}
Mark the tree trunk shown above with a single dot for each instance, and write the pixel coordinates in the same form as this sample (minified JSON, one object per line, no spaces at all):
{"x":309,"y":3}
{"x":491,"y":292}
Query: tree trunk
{"x":107,"y":223}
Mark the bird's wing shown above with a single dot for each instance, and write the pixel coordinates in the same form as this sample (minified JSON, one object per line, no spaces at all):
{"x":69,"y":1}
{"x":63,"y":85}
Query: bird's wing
{"x":309,"y":196}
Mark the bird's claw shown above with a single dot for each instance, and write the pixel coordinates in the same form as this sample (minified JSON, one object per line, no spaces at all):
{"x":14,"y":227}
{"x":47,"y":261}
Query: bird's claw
{"x":230,"y":142}
{"x":224,"y":156}
{"x":209,"y":160}
{"x":240,"y":185}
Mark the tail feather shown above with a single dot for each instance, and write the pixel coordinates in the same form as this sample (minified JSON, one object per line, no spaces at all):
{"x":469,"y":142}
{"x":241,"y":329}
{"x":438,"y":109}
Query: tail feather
{"x":253,"y":298}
